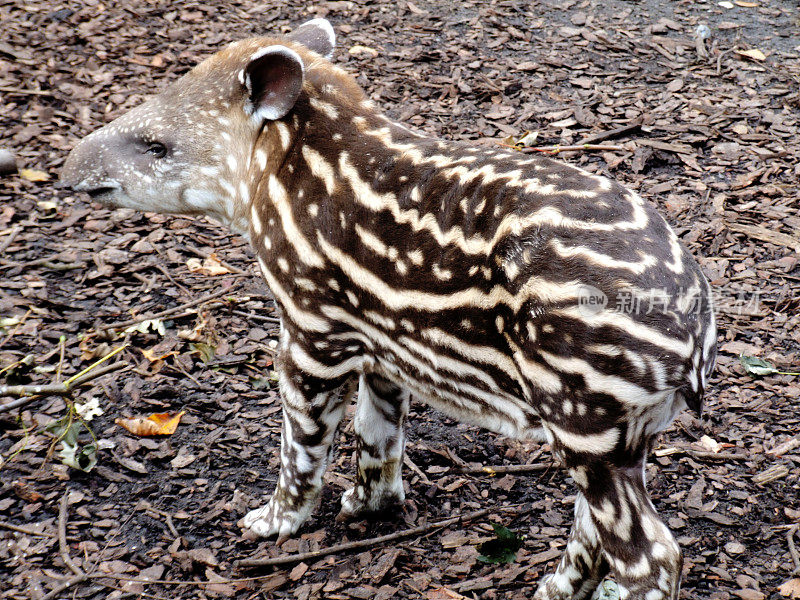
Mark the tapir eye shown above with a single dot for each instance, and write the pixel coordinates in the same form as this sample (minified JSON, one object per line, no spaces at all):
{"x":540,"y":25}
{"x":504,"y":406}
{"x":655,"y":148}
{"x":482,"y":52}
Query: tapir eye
{"x":157,"y":149}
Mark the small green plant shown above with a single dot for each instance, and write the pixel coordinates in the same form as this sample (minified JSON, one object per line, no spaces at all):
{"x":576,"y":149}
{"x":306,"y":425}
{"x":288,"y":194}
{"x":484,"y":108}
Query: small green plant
{"x":71,"y":430}
{"x":78,"y":442}
{"x":502,"y":549}
{"x":758,"y":367}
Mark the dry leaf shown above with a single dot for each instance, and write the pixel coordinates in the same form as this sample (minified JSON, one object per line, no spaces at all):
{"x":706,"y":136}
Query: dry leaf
{"x":221,"y":585}
{"x":155,"y":424}
{"x":34,"y":175}
{"x":183,"y":459}
{"x":153,"y":355}
{"x":753,"y":53}
{"x":527,"y":66}
{"x":740,"y":128}
{"x":744,"y":4}
{"x":194,"y":264}
{"x":415,"y":9}
{"x":790,"y":588}
{"x":156,"y":325}
{"x":675,"y":85}
{"x":709,"y":444}
{"x":210,"y":265}
{"x":355,"y":50}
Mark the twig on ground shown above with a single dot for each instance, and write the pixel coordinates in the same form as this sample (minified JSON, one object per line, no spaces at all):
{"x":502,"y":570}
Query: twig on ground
{"x":51,"y":262}
{"x":16,"y":328}
{"x":56,"y":591}
{"x":29,"y":393}
{"x":12,"y":235}
{"x":166,"y":516}
{"x":255,"y":317}
{"x":701,"y":454}
{"x":792,"y":548}
{"x":63,"y":549}
{"x":720,"y":57}
{"x":131,"y":578}
{"x":766,"y":235}
{"x":414,"y":531}
{"x":24,"y":92}
{"x":127,"y":594}
{"x":498,"y":469}
{"x":420,"y":473}
{"x":577,"y":148}
{"x":612,"y":133}
{"x":169,"y":311}
{"x":25,"y":530}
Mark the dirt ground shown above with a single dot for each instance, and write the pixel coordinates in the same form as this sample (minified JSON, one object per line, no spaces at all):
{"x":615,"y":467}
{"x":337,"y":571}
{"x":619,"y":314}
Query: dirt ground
{"x":712,"y":141}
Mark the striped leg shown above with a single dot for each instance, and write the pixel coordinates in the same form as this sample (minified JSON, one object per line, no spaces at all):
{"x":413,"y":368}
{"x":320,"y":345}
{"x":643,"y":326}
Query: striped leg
{"x":641,"y":552}
{"x":582,"y":566}
{"x":380,"y":437}
{"x":312,"y":410}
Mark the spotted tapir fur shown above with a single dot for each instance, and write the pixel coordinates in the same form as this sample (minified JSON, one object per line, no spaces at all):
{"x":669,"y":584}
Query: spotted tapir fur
{"x":517,"y":293}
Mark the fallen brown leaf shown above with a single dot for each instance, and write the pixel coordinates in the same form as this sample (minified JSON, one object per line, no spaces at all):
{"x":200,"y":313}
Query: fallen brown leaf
{"x":155,"y":424}
{"x":34,"y":175}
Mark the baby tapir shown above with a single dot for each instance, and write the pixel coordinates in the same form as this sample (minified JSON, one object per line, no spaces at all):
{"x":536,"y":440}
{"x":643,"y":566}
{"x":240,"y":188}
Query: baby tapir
{"x":517,"y":293}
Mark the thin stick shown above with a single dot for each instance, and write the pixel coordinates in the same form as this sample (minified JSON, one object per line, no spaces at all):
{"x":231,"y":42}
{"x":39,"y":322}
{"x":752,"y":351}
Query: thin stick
{"x":719,"y":59}
{"x":65,"y":586}
{"x":167,"y":517}
{"x":169,"y":311}
{"x":420,"y":473}
{"x":120,"y":577}
{"x":255,"y":317}
{"x":792,"y":549}
{"x":128,"y":594}
{"x":13,"y":90}
{"x":29,"y":393}
{"x":414,"y":531}
{"x":63,"y":549}
{"x":293,"y":557}
{"x":702,"y":454}
{"x":498,"y":469}
{"x":12,"y":235}
{"x":57,"y":389}
{"x":14,"y":331}
{"x":578,"y":148}
{"x":96,"y":363}
{"x":612,"y":133}
{"x":25,"y":530}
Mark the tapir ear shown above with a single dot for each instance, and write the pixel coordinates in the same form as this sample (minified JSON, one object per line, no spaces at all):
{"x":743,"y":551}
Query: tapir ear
{"x":274,"y":79}
{"x":316,"y":35}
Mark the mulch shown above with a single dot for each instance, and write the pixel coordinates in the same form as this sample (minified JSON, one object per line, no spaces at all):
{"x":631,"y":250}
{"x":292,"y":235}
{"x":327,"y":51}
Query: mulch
{"x":711,"y":138}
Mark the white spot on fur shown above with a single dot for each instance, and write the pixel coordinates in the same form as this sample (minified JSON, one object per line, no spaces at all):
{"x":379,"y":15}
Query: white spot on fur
{"x":329,"y":110}
{"x":261,"y":159}
{"x":283,"y":134}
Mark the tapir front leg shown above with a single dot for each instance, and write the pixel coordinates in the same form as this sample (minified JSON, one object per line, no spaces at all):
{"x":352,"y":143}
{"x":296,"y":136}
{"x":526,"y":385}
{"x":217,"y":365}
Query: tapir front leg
{"x":312,"y":410}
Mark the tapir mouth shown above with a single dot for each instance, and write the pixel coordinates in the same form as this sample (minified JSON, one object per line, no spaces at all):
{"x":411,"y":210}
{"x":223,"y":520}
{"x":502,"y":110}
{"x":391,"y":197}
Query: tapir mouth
{"x":100,"y":193}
